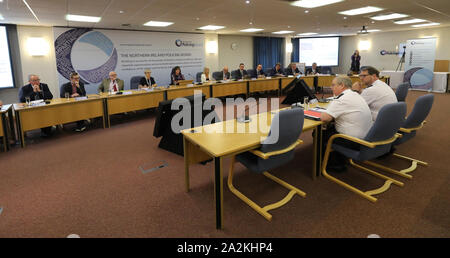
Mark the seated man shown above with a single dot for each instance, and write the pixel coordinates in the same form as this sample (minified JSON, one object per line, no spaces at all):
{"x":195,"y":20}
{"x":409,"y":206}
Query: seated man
{"x":240,"y":73}
{"x":147,"y":80}
{"x":36,"y":90}
{"x":225,"y":74}
{"x":357,"y":87}
{"x":112,"y":84}
{"x":277,"y":71}
{"x":75,"y":88}
{"x":292,"y":70}
{"x":351,"y":116}
{"x":258,"y":73}
{"x":314,"y":70}
{"x":377,"y":94}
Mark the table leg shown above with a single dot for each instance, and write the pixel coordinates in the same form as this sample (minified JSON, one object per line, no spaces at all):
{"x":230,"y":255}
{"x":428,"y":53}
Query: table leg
{"x":186,"y":163}
{"x":5,"y":133}
{"x":218,"y":191}
{"x":11,"y":124}
{"x":319,"y":151}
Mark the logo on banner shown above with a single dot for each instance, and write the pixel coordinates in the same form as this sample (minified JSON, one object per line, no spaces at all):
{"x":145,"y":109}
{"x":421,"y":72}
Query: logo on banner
{"x":182,"y":43}
{"x":75,"y":46}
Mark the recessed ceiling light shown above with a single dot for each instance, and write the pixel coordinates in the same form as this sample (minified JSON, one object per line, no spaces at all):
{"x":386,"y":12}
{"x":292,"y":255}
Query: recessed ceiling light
{"x":283,"y":32}
{"x":367,"y":9}
{"x":372,"y":22}
{"x":251,"y":30}
{"x":307,"y":34}
{"x":306,"y":11}
{"x":425,"y":24}
{"x":82,"y":18}
{"x":158,"y":24}
{"x":121,"y":11}
{"x":345,"y":17}
{"x":409,"y":21}
{"x":388,"y":16}
{"x":314,"y":3}
{"x":374,"y":30}
{"x":211,"y":27}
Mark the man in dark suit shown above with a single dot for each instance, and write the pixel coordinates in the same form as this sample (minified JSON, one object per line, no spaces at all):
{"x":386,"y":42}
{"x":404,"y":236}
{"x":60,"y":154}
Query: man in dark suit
{"x":240,"y":73}
{"x":277,"y":71}
{"x":36,"y":90}
{"x":258,"y":73}
{"x":314,"y":70}
{"x":74,"y":88}
{"x":292,"y":70}
{"x":224,"y":75}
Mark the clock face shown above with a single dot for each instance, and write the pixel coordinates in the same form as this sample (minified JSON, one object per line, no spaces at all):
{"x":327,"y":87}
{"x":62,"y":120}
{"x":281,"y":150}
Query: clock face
{"x":234,"y":46}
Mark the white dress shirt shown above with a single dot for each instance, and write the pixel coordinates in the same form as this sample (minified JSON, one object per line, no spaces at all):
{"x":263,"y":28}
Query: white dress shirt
{"x":351,"y":114}
{"x":377,"y":95}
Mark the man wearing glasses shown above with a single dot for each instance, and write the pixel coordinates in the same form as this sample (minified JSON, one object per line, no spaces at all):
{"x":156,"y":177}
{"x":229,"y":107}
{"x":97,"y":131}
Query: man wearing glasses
{"x":36,"y":90}
{"x":74,"y":89}
{"x":377,"y":94}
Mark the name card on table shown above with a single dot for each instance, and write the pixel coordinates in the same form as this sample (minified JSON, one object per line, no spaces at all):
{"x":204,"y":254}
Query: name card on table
{"x":190,"y":85}
{"x":81,"y":98}
{"x":127,"y":92}
{"x":254,"y":79}
{"x":268,"y":77}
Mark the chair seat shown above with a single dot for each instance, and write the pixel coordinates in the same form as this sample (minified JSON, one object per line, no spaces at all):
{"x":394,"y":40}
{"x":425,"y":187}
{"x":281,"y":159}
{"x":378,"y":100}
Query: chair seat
{"x":405,"y":137}
{"x":364,"y":154}
{"x":259,"y":165}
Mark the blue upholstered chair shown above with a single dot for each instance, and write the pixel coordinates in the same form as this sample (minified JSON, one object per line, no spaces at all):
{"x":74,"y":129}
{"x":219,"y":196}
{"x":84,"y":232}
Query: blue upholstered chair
{"x":402,"y":91}
{"x":134,"y":82}
{"x":376,"y":143}
{"x":267,"y":71}
{"x":414,"y":122}
{"x":276,"y":150}
{"x":217,"y":75}
{"x":250,"y":72}
{"x":198,"y":77}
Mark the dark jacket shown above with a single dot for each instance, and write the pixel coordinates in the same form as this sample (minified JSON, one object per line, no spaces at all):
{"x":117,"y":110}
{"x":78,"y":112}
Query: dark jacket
{"x":290,"y":72}
{"x":309,"y":70}
{"x":175,"y":78}
{"x":220,"y":76}
{"x":275,"y":72}
{"x":144,"y":81}
{"x":27,"y":91}
{"x":238,"y":75}
{"x":67,"y":87}
{"x":256,"y":73}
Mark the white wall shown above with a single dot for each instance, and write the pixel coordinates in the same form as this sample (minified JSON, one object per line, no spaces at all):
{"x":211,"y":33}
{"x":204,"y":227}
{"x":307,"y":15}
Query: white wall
{"x":44,"y":66}
{"x":242,"y":54}
{"x":389,"y":41}
{"x":212,"y":59}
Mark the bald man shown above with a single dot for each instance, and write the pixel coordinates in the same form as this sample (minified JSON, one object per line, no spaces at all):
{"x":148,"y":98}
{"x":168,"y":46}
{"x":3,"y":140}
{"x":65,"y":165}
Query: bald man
{"x":112,"y":83}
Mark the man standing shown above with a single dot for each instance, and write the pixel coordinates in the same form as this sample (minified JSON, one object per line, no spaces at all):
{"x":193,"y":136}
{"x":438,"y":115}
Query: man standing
{"x":36,"y":90}
{"x":112,"y":84}
{"x":74,"y":88}
{"x":377,"y":94}
{"x":351,"y":116}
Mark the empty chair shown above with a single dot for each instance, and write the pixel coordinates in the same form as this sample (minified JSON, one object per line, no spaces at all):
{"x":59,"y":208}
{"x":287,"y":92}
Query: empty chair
{"x":267,"y":71}
{"x":402,"y":91}
{"x":276,"y":150}
{"x":376,"y":143}
{"x":134,"y":82}
{"x":414,"y":122}
{"x":250,"y":72}
{"x":217,"y":75}
{"x":198,"y":77}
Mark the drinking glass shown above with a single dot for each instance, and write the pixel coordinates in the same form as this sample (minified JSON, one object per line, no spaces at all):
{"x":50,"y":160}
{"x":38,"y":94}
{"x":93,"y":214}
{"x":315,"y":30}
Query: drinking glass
{"x":305,"y":103}
{"x":27,"y":100}
{"x":67,"y":95}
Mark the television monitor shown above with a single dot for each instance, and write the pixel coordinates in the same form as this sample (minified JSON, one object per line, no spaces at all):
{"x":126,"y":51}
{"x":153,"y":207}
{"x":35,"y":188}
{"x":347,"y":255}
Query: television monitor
{"x":297,"y":91}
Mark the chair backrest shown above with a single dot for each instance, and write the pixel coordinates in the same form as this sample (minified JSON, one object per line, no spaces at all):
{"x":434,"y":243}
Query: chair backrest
{"x":267,"y":71}
{"x":402,"y":91}
{"x":134,"y":82}
{"x":287,"y":125}
{"x":198,"y":77}
{"x":250,"y":72}
{"x":235,"y":74}
{"x":61,"y":91}
{"x":217,"y":75}
{"x":390,"y":118}
{"x":420,"y":111}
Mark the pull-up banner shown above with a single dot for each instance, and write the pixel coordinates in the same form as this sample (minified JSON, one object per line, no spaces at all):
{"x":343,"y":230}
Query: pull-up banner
{"x":419,"y":63}
{"x":94,"y":53}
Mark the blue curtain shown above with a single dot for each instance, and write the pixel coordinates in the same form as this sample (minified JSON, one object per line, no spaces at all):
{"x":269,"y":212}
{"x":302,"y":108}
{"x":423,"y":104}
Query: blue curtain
{"x":295,"y":58}
{"x":268,"y":51}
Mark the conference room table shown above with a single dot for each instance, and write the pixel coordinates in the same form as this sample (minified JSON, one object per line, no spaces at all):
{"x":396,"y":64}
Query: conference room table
{"x":58,"y":111}
{"x":229,"y":138}
{"x":6,"y":125}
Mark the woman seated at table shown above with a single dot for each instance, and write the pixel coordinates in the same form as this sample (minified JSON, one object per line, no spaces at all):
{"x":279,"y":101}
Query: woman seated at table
{"x":176,"y":76}
{"x":205,"y":75}
{"x":147,"y":81}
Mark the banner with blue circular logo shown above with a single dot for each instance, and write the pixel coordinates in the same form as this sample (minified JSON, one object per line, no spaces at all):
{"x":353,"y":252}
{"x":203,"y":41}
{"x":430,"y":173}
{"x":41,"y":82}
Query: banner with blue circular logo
{"x":94,"y":53}
{"x":419,"y":63}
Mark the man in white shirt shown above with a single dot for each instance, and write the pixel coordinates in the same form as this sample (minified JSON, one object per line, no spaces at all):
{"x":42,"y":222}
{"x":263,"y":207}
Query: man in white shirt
{"x":377,"y":94}
{"x":351,"y":116}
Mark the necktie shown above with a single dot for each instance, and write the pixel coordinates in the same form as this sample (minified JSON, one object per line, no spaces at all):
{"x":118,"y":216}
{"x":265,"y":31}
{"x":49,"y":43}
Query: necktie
{"x":115,"y":87}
